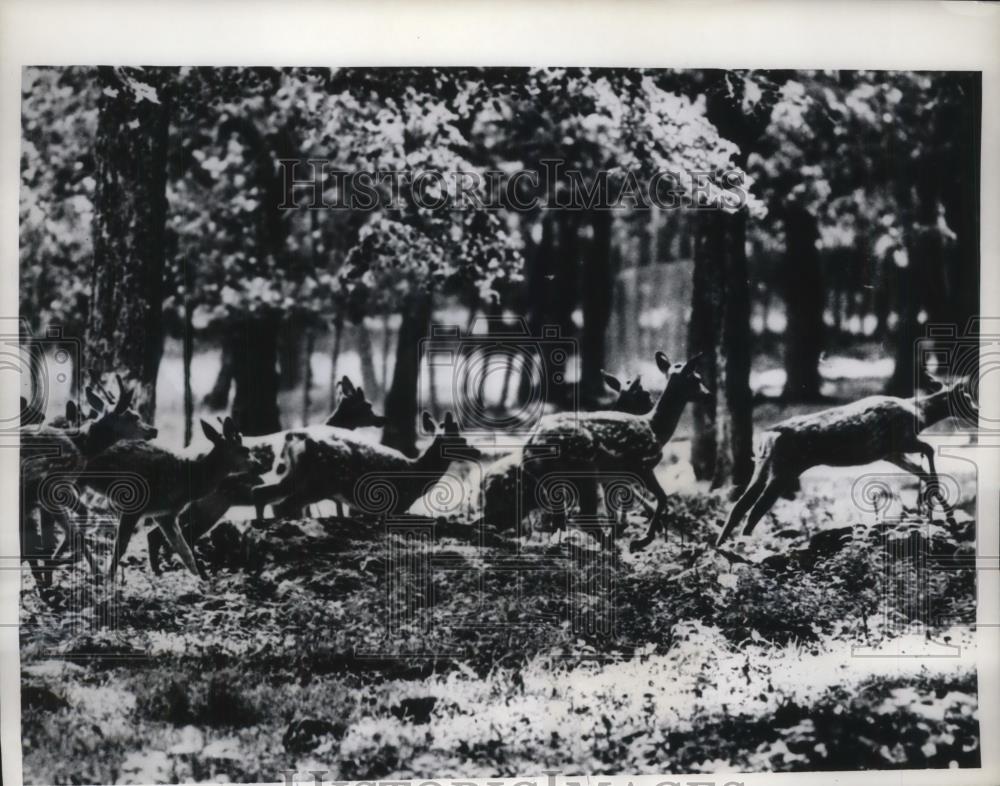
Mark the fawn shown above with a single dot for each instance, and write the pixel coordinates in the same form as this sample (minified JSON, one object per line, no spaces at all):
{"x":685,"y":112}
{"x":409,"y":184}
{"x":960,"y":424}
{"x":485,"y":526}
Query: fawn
{"x":332,"y":468}
{"x":874,"y":428}
{"x":172,"y":482}
{"x":353,"y":411}
{"x":499,"y":484}
{"x":606,"y":442}
{"x":66,"y":447}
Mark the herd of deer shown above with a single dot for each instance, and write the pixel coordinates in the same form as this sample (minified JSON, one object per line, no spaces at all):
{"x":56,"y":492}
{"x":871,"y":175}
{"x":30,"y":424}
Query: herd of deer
{"x":186,"y":494}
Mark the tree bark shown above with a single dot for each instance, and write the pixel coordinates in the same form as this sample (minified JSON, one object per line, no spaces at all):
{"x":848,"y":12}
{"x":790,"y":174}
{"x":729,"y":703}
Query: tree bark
{"x":537,"y":284}
{"x":722,"y":448}
{"x":802,"y":281}
{"x":290,"y":355}
{"x":218,"y":396}
{"x":338,"y":335}
{"x":400,"y":430}
{"x":702,"y":330}
{"x":188,"y":351}
{"x":366,"y":356}
{"x":125,"y":328}
{"x":307,"y":376}
{"x":255,"y":405}
{"x":597,"y":302}
{"x":924,"y":252}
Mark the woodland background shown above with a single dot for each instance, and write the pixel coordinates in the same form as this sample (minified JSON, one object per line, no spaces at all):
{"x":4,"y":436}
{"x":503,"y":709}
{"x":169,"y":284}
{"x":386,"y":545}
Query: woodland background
{"x":149,"y":226}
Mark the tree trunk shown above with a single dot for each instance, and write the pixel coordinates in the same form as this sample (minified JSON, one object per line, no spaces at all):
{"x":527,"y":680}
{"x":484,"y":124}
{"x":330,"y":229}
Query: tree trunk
{"x":125,"y":330}
{"x":338,"y":335}
{"x":537,"y":285}
{"x":255,"y":405}
{"x":218,"y":396}
{"x":188,"y":351}
{"x":290,"y":355}
{"x":597,"y":301}
{"x":722,"y":447}
{"x":702,"y":329}
{"x":802,"y":281}
{"x":366,"y":355}
{"x":401,"y":401}
{"x":924,"y":251}
{"x":307,"y":377}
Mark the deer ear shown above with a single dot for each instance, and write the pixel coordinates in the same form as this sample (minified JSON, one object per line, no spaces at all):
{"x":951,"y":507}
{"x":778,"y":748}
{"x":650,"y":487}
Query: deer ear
{"x":428,"y":421}
{"x":611,"y":381}
{"x":72,"y":412}
{"x":662,"y":363}
{"x":691,"y":361}
{"x":346,"y":386}
{"x":125,"y":395}
{"x":95,"y":401}
{"x":449,"y":420}
{"x":229,"y":428}
{"x":636,"y":383}
{"x":209,"y":431}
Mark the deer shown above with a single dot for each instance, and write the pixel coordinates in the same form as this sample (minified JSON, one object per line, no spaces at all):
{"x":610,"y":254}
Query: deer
{"x":172,"y":481}
{"x":871,"y":429}
{"x":352,"y":411}
{"x":499,"y":485}
{"x":66,"y":447}
{"x":615,"y":442}
{"x":335,"y":466}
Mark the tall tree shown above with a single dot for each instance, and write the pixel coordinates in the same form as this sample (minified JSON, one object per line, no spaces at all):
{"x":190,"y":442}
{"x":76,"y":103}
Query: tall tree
{"x":738,"y":104}
{"x":125,"y":330}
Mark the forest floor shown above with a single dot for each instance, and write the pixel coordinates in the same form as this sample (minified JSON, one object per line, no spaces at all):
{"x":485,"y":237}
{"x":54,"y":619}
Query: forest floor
{"x":317,"y":644}
{"x":541,"y":653}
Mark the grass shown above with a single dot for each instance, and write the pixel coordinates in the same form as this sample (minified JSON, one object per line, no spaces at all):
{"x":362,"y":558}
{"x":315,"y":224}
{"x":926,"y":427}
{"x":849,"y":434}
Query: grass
{"x":716,"y":660}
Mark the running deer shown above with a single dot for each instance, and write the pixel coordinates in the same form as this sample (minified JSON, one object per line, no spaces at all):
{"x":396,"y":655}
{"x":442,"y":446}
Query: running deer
{"x":66,"y":448}
{"x":615,"y":442}
{"x":334,"y":468}
{"x":872,"y":429}
{"x":353,"y":411}
{"x":172,"y":482}
{"x":499,"y":486}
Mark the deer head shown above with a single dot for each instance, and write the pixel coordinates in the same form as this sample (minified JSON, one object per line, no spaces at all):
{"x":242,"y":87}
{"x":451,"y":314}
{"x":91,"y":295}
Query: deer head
{"x":633,"y":398}
{"x":228,"y":448}
{"x":112,"y":419}
{"x":683,"y":379}
{"x":447,"y":435}
{"x":353,"y":410}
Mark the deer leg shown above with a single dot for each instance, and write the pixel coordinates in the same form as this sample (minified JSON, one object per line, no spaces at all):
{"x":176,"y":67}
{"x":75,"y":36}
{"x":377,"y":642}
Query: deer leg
{"x":154,"y":544}
{"x":929,"y":478}
{"x":932,"y":477}
{"x":126,"y":526}
{"x":656,"y":521}
{"x":265,"y":495}
{"x":172,"y":531}
{"x":764,"y":503}
{"x":750,"y":495}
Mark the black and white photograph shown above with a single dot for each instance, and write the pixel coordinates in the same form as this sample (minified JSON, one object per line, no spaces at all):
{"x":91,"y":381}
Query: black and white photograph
{"x":392,"y":422}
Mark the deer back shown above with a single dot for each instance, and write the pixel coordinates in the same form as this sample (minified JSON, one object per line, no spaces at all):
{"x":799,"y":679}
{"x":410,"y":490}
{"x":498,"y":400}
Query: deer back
{"x":853,"y":434}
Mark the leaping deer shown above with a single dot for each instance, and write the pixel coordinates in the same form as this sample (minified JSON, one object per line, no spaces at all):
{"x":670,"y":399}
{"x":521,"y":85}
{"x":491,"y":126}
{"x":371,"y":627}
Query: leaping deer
{"x":334,"y":467}
{"x":499,"y":485}
{"x":612,"y":442}
{"x":66,"y":447}
{"x":872,"y":429}
{"x":173,"y":481}
{"x":353,"y":411}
